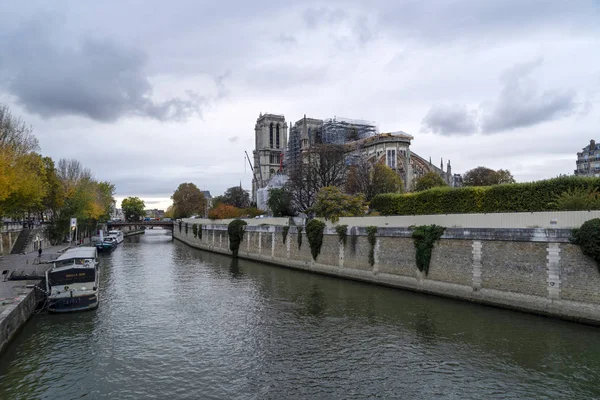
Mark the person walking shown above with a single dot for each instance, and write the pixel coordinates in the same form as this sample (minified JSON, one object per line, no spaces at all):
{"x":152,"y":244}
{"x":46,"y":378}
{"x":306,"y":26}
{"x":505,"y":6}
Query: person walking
{"x":40,"y":252}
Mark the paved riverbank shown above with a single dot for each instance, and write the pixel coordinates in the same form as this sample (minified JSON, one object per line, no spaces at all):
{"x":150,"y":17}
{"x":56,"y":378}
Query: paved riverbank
{"x":18,"y":299}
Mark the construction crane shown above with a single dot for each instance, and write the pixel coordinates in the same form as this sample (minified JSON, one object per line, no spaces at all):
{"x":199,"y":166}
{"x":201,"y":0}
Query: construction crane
{"x":252,"y":169}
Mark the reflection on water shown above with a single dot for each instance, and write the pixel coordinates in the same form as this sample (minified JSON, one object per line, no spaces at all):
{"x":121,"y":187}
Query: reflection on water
{"x":179,"y":323}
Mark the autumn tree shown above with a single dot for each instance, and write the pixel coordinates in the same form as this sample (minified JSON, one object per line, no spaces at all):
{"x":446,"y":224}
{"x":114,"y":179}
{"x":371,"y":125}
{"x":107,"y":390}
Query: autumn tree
{"x":384,"y":180}
{"x":280,"y":202}
{"x":371,"y":180}
{"x":483,"y":176}
{"x":428,"y":181}
{"x":133,"y":208}
{"x":332,"y":203}
{"x":188,"y":200}
{"x":237,"y":197}
{"x":225,"y":211}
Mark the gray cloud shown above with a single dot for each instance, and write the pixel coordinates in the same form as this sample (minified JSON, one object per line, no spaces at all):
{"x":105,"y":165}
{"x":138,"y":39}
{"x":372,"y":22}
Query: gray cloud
{"x":95,"y":78}
{"x":287,"y":39}
{"x":233,"y":139}
{"x":519,"y":104}
{"x":316,"y":17}
{"x":522,"y":104}
{"x":450,"y":120}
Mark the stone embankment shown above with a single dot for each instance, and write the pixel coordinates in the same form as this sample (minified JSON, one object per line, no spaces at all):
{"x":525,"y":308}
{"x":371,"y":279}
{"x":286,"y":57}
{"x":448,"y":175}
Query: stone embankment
{"x":19,"y":299}
{"x":536,"y":270}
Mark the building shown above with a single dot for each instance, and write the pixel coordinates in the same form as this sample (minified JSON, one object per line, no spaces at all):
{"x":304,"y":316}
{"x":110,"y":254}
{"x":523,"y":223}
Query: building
{"x":270,"y":133}
{"x":361,"y":140}
{"x":588,"y":160}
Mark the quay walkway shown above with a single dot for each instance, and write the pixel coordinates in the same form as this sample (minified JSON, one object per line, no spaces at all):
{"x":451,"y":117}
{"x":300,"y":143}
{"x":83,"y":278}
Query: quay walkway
{"x":18,"y":298}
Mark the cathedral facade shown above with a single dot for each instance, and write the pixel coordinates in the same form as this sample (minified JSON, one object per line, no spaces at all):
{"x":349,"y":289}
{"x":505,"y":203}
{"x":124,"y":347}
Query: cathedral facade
{"x":275,"y":155}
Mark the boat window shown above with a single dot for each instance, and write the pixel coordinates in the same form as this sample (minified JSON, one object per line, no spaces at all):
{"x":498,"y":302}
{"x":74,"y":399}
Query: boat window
{"x":75,"y":275}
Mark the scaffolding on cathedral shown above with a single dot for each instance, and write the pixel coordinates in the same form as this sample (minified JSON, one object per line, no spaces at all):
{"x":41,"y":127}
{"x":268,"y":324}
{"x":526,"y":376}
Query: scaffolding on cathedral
{"x":294,"y":150}
{"x":343,"y":130}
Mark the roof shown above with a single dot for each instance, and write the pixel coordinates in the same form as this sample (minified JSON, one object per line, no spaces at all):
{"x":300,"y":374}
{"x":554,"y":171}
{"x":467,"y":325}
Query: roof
{"x":79,"y":252}
{"x":206,"y":194}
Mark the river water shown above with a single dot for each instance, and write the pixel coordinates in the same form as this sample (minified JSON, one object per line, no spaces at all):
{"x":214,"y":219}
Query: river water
{"x":179,"y":323}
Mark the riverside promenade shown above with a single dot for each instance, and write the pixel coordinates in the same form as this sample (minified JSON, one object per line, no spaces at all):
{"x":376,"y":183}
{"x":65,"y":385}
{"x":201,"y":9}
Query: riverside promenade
{"x":18,"y":298}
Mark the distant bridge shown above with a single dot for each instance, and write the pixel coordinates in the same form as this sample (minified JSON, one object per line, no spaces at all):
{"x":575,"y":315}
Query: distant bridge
{"x":139,"y":224}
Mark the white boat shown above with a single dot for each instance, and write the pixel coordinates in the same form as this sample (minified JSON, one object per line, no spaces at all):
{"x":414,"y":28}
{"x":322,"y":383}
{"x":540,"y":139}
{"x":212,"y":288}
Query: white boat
{"x":118,"y":235}
{"x":73,"y":282}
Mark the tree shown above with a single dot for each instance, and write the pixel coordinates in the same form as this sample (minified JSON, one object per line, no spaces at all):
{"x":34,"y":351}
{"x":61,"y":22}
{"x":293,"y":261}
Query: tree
{"x":332,"y":204}
{"x":280,"y":202}
{"x":188,"y":200}
{"x":483,"y":176}
{"x":133,"y":208}
{"x":384,"y":180}
{"x":359,"y":177}
{"x":323,"y":165}
{"x":237,"y":197}
{"x":371,"y":180}
{"x":504,"y":176}
{"x":428,"y":181}
{"x":225,"y":211}
{"x":170,"y":213}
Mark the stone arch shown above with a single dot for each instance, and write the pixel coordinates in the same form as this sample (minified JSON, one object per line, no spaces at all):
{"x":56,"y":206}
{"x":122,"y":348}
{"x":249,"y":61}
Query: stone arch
{"x":277,"y":142}
{"x":271,"y":135}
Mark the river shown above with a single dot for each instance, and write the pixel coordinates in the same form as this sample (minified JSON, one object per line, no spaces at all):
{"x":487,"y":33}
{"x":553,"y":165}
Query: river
{"x":178,"y":323}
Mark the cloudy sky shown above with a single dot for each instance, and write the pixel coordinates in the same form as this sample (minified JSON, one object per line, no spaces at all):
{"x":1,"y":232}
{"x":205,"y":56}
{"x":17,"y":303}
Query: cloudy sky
{"x":150,"y":93}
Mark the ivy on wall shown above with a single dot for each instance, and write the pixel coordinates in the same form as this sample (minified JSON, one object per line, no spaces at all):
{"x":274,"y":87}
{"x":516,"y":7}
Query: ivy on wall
{"x":314,"y":232}
{"x":342,"y":232}
{"x":235,"y":230}
{"x":424,"y":237}
{"x":186,"y":228}
{"x":588,"y":238}
{"x":284,"y":233}
{"x":200,"y":231}
{"x":353,"y":240}
{"x":180,"y":226}
{"x":299,"y":237}
{"x":372,"y":237}
{"x":195,"y":230}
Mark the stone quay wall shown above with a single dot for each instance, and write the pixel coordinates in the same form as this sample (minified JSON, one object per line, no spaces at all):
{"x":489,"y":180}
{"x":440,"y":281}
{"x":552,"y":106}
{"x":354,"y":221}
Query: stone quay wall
{"x":534,"y":270}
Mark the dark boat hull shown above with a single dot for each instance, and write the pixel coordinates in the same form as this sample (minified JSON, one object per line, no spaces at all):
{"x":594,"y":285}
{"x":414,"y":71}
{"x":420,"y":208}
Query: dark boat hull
{"x":72,"y":304}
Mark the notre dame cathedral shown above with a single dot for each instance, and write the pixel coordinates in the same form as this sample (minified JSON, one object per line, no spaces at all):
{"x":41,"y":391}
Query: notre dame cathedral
{"x":279,"y":148}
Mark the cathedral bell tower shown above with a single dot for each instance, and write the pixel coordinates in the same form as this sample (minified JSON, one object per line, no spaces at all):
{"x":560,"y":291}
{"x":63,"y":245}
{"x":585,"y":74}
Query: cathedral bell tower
{"x":270,"y":143}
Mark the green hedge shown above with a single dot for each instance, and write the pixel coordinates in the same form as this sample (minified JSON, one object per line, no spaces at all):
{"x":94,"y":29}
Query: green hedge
{"x":518,"y":197}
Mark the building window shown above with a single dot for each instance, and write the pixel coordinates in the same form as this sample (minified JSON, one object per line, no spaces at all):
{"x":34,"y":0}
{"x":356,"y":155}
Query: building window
{"x":274,"y":158}
{"x":271,"y":135}
{"x":391,"y":159}
{"x":277,"y":137}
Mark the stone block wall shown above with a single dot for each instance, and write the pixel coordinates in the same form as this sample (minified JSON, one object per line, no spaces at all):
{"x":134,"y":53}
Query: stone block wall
{"x":535,"y":270}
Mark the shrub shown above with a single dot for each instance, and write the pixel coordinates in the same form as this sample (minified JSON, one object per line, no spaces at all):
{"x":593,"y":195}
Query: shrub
{"x":314,"y":232}
{"x":200,"y":231}
{"x":195,"y":230}
{"x":424,"y":237}
{"x":235,"y":230}
{"x":342,"y":232}
{"x":332,"y":204}
{"x":225,"y":211}
{"x":372,"y":237}
{"x":299,"y":237}
{"x":578,"y":199}
{"x":588,"y":238}
{"x":286,"y":229}
{"x":519,"y":197}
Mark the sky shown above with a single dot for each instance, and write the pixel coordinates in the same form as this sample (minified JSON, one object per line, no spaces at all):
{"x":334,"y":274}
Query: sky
{"x":149,"y":94}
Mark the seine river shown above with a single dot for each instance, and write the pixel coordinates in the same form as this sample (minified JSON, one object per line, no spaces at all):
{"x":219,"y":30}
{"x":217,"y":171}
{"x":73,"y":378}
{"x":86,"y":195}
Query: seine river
{"x":178,"y":323}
